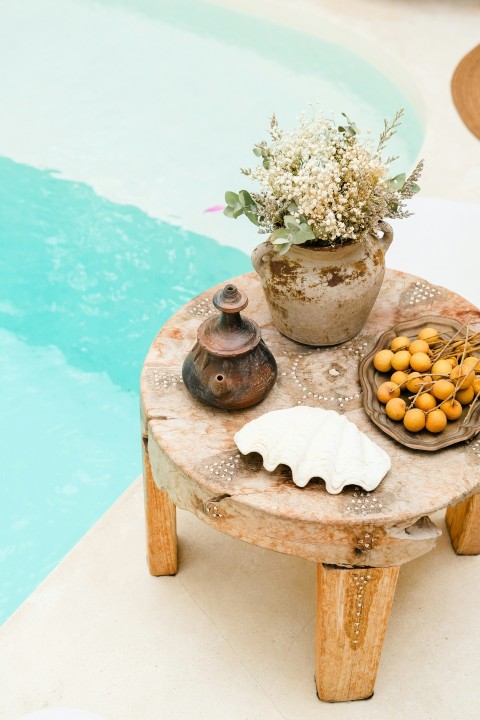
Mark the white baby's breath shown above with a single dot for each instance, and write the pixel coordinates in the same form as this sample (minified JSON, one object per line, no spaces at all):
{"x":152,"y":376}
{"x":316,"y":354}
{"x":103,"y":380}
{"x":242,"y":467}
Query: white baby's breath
{"x":321,"y":184}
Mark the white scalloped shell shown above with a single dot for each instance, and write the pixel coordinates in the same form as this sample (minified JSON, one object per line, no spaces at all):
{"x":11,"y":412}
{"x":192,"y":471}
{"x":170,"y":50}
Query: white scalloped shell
{"x":315,"y":443}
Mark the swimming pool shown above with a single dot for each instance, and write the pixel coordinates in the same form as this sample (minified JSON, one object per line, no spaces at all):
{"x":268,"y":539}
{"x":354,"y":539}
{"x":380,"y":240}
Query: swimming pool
{"x":109,"y":156}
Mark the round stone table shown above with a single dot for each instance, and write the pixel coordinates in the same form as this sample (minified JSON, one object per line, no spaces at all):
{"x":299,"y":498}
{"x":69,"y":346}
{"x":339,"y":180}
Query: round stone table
{"x":358,"y":539}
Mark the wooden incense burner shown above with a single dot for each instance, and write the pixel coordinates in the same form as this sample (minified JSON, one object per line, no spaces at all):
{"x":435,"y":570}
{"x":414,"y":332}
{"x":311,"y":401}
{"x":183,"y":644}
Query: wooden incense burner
{"x":230,"y":366}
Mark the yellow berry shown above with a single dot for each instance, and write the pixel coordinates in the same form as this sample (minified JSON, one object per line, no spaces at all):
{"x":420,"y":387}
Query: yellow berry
{"x":401,"y":342}
{"x":396,"y":408}
{"x":414,"y":420}
{"x":475,"y":384}
{"x":425,"y":401}
{"x":399,"y":377}
{"x":465,"y":396}
{"x":442,"y":389}
{"x":416,"y":382}
{"x":401,"y":360}
{"x":462,"y":376}
{"x":429,"y":334}
{"x":436,"y":421}
{"x":472,"y":362}
{"x":441,"y":367}
{"x":387,"y":391}
{"x":383,"y":360}
{"x":452,"y":409}
{"x":420,"y":362}
{"x":418,"y":346}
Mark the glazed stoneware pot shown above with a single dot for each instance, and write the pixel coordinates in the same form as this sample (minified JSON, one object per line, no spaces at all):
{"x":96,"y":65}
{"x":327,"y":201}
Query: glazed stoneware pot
{"x":323,"y":296}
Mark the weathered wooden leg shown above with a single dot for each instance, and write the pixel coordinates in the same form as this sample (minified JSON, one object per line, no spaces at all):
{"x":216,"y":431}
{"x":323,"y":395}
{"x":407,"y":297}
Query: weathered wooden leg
{"x":161,"y":522}
{"x":353,"y":607}
{"x":463,"y":523}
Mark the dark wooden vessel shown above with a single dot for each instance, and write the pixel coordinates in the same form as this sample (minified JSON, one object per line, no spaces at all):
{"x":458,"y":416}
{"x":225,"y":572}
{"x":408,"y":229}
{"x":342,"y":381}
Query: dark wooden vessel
{"x":230,"y":366}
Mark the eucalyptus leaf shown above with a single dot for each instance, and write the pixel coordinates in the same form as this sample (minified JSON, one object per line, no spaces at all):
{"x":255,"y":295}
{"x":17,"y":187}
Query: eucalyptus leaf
{"x":266,"y":164}
{"x":231,"y":198}
{"x":292,"y":208}
{"x":282,"y":235}
{"x":303,"y":234}
{"x":257,"y":151}
{"x":414,"y":188}
{"x":291,"y":222}
{"x":252,"y":217}
{"x":246,"y":199}
{"x":307,"y":231}
{"x":282,"y":249}
{"x":298,"y":239}
{"x":398,"y":181}
{"x":228,"y":211}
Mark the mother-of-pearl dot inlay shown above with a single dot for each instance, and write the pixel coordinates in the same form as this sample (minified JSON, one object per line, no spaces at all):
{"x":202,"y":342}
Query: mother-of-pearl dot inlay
{"x":222,"y":469}
{"x":421,"y":292}
{"x":359,"y":350}
{"x":163,"y":379}
{"x":363,"y":503}
{"x":212,"y":509}
{"x":315,"y":363}
{"x":361,"y":580}
{"x":367,"y":542}
{"x":203,"y":308}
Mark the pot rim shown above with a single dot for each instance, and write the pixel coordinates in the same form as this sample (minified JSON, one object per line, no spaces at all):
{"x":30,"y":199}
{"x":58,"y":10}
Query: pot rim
{"x":346,"y":247}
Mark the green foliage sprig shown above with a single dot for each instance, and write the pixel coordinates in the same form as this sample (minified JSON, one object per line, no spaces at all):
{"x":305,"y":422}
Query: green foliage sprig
{"x":322,"y":184}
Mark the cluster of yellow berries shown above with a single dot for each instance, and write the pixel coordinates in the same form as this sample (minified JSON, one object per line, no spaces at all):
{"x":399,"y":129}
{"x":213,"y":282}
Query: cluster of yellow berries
{"x":440,"y":388}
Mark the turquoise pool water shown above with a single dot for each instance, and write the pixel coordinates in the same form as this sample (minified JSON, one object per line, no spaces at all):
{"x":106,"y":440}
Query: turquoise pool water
{"x":144,"y":133}
{"x":85,"y":285}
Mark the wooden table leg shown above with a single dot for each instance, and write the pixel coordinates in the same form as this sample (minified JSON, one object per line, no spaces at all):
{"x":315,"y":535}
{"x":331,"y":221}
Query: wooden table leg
{"x":463,"y":523}
{"x":353,"y":607}
{"x":161,"y":523}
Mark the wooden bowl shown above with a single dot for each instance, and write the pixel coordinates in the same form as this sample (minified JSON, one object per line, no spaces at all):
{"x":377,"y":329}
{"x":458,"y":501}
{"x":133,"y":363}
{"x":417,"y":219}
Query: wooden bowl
{"x":370,"y":379}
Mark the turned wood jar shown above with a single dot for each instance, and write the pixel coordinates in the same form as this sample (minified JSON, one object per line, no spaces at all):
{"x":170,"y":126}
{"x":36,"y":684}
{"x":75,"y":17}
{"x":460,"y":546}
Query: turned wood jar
{"x":230,"y":366}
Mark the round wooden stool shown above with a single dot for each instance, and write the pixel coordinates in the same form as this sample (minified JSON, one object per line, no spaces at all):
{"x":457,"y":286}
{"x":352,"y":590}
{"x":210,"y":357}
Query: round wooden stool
{"x":358,"y":539}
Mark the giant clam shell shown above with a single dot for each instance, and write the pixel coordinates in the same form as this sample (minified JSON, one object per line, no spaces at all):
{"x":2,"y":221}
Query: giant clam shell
{"x":315,"y":443}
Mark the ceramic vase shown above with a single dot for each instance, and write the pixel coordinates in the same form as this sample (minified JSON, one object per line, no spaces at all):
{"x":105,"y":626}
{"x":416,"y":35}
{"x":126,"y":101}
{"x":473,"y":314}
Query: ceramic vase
{"x":323,"y":295}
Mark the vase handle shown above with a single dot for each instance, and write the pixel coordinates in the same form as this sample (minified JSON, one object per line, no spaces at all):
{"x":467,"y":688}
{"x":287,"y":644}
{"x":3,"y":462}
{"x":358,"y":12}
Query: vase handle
{"x":387,"y":237}
{"x":258,"y":257}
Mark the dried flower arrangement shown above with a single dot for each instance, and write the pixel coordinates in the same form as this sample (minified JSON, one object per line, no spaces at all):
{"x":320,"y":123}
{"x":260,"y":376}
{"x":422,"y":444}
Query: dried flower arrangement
{"x":322,"y":185}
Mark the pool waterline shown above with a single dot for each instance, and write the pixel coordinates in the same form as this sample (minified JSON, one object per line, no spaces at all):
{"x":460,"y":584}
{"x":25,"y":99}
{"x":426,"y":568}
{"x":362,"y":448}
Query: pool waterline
{"x":87,"y":285}
{"x":134,"y":114}
{"x":90,"y":281}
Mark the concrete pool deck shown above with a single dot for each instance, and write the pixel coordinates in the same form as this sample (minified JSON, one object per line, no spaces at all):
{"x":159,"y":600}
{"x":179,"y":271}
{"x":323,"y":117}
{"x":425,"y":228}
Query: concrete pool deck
{"x":232,"y":635}
{"x":418,"y":44}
